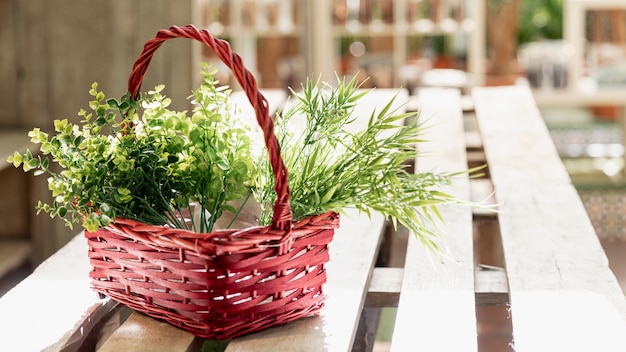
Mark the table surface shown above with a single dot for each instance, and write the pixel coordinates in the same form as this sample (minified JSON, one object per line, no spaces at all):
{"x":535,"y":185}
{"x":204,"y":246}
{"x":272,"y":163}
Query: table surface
{"x":562,"y":294}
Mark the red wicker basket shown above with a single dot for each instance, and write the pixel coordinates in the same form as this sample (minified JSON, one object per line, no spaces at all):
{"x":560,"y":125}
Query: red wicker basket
{"x":223,"y":284}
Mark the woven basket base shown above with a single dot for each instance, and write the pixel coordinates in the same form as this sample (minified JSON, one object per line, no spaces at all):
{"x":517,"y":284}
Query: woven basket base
{"x":214,"y":296}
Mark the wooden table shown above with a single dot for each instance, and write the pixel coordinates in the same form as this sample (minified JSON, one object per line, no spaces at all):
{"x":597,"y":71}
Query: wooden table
{"x":538,"y":254}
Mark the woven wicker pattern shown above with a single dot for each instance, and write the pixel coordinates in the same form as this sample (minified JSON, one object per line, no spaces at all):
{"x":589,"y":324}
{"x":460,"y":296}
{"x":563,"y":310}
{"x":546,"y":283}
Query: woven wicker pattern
{"x":226,"y":283}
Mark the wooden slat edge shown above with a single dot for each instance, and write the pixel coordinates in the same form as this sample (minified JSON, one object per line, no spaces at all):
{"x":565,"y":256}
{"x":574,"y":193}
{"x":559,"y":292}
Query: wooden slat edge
{"x":563,"y":294}
{"x":482,"y":192}
{"x":55,"y":301}
{"x":384,"y":288}
{"x":437,"y":297}
{"x":490,"y":285}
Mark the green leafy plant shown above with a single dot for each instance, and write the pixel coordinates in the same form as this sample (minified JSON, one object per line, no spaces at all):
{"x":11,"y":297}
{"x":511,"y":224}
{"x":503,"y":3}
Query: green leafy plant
{"x":141,"y":161}
{"x":331,"y":168}
{"x":156,"y":166}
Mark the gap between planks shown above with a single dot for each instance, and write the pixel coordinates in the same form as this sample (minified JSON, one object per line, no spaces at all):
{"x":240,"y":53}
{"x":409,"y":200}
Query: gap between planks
{"x":490,"y":283}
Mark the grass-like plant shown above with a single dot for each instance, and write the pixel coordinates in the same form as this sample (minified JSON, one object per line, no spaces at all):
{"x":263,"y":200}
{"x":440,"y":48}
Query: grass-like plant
{"x":332,"y":169}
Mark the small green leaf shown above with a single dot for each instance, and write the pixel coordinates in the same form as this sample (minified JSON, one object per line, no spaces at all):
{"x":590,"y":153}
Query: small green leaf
{"x":113,"y":103}
{"x":101,"y":110}
{"x":16,"y":159}
{"x":222,"y":163}
{"x":104,"y":220}
{"x":328,"y":195}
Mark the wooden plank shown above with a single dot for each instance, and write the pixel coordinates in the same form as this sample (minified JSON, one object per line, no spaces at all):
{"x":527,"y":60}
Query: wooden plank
{"x":31,"y":45}
{"x":352,"y":257}
{"x":61,"y":48}
{"x":563,"y":295}
{"x":437,"y":298}
{"x":490,"y":284}
{"x":60,"y":56}
{"x":481,"y":191}
{"x":8,"y":64}
{"x":141,"y":333}
{"x":384,"y":289}
{"x":473,"y":141}
{"x":151,"y":20}
{"x":182,"y":62}
{"x":77,"y":36}
{"x":120,"y":19}
{"x":53,"y":309}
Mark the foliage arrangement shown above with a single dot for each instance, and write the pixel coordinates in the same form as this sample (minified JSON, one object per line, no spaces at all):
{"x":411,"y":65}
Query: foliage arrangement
{"x":142,"y":161}
{"x":149,"y":168}
{"x":332,"y":168}
{"x":540,"y":19}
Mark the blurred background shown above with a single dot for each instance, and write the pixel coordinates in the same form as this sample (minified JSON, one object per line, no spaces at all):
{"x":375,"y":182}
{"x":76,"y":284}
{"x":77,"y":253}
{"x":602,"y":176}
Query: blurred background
{"x":572,"y":53}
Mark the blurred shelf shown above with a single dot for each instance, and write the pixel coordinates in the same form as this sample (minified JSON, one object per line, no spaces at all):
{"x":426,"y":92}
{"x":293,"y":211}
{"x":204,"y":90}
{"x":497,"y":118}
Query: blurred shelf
{"x":580,"y":98}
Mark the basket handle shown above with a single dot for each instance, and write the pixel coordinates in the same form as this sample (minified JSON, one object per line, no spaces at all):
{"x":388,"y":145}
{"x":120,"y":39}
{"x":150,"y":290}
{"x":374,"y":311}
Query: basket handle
{"x":282,"y":217}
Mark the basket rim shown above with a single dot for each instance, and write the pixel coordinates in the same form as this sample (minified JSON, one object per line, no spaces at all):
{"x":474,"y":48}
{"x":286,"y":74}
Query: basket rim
{"x":221,"y":241}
